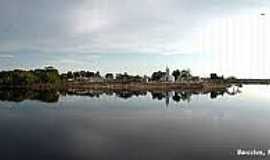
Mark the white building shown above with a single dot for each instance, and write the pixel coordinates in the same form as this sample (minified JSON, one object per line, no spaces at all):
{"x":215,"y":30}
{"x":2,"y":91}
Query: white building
{"x":167,"y":77}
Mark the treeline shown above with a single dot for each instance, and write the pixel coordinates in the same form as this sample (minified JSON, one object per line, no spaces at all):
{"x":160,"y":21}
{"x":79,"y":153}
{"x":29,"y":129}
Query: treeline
{"x":177,"y":75}
{"x":48,"y":75}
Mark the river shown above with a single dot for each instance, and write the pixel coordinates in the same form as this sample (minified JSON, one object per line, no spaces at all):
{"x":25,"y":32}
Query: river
{"x":125,"y":126}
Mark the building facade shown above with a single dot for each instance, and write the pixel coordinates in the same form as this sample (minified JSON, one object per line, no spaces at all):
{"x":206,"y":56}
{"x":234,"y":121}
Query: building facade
{"x":166,"y":77}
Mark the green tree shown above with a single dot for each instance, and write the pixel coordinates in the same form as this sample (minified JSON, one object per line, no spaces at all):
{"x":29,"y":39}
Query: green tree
{"x":69,"y":75}
{"x":176,"y":74}
{"x":156,"y":76}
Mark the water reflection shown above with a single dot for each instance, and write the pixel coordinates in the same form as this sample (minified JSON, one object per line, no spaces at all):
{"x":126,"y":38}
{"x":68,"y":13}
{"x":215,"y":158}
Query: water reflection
{"x":23,"y":94}
{"x":99,"y":125}
{"x":52,"y":96}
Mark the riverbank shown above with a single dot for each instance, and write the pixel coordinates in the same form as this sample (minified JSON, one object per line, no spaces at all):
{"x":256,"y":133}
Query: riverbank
{"x":131,"y":86}
{"x":250,"y":81}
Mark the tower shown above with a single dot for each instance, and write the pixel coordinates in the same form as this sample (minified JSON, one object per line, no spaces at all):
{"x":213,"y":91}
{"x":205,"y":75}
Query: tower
{"x":167,"y":73}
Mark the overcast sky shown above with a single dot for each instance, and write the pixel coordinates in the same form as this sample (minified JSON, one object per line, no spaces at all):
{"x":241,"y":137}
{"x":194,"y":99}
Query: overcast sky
{"x":137,"y":36}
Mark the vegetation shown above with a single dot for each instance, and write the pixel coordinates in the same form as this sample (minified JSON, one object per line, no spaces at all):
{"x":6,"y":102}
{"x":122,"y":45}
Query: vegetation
{"x":109,"y":76}
{"x":176,"y":74}
{"x":156,"y":76}
{"x":48,"y":75}
{"x":19,"y":95}
{"x":128,"y":78}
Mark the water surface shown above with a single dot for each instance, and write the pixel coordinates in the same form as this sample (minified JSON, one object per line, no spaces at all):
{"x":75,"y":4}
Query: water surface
{"x":124,"y":125}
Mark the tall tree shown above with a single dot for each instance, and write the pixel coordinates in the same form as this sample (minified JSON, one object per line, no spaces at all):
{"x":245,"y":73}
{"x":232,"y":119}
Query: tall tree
{"x":176,"y":74}
{"x":156,"y":76}
{"x":69,"y":75}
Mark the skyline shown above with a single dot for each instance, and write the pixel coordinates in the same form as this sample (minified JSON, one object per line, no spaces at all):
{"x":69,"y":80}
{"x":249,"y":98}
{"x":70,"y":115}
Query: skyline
{"x":139,"y":37}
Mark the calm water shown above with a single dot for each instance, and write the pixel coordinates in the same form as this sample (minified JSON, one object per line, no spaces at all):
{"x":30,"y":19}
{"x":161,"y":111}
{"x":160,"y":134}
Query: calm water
{"x":127,"y":126}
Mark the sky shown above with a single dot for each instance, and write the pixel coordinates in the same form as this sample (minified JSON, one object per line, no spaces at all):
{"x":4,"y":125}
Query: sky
{"x":228,"y":37}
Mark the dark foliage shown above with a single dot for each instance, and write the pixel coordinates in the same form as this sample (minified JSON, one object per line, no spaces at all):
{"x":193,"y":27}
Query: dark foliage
{"x":22,"y":77}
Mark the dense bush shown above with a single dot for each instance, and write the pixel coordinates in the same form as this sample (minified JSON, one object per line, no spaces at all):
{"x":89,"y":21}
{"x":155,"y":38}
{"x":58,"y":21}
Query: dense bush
{"x":22,"y":77}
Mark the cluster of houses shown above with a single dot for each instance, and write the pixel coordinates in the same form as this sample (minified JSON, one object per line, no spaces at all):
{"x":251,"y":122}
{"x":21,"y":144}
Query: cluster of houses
{"x":159,"y":76}
{"x":86,"y":76}
{"x":176,"y":76}
{"x":83,"y":76}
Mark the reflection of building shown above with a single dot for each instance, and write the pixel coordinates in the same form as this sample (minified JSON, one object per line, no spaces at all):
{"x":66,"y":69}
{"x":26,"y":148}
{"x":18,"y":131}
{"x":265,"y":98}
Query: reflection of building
{"x":167,"y":98}
{"x":182,"y":96}
{"x":166,"y":76}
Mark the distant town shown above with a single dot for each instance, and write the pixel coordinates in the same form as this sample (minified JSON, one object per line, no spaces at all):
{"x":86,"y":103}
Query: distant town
{"x":49,"y":77}
{"x":159,"y":76}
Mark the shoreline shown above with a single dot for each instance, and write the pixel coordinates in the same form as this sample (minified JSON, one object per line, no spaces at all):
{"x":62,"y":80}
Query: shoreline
{"x":139,"y":86}
{"x":131,"y":86}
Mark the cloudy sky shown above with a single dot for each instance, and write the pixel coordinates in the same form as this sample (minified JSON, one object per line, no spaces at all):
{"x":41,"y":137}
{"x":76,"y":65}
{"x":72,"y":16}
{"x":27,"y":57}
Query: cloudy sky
{"x":142,"y":36}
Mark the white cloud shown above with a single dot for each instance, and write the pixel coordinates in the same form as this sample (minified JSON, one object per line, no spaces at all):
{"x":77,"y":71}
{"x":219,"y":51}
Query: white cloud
{"x":161,"y":27}
{"x":143,"y":26}
{"x":238,"y":45}
{"x":6,"y":56}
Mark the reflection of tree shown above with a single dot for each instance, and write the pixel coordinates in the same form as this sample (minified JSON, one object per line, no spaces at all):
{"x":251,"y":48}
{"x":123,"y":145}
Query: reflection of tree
{"x":229,"y":91}
{"x":234,"y":91}
{"x":50,"y":97}
{"x":158,"y":95}
{"x":215,"y":94}
{"x":182,"y":96}
{"x":129,"y":94}
{"x":124,"y":95}
{"x":109,"y":93}
{"x":20,"y":95}
{"x":176,"y":97}
{"x":85,"y":93}
{"x":185,"y":96}
{"x":161,"y":95}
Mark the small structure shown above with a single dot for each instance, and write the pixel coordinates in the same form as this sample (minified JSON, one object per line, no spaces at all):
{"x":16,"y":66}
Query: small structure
{"x":166,"y":77}
{"x":146,"y":78}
